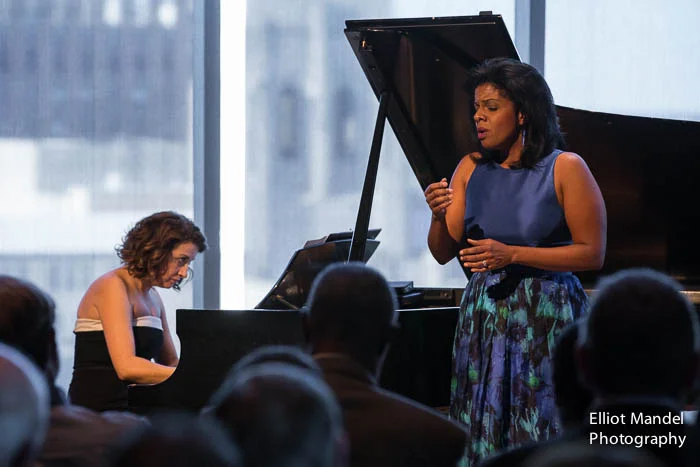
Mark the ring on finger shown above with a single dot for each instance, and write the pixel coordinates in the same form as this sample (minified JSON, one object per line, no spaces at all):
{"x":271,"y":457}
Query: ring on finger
{"x":484,"y":263}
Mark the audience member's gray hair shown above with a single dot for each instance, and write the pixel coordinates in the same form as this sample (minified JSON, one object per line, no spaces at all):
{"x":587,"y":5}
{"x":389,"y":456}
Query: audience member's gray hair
{"x":278,"y":354}
{"x":273,"y":353}
{"x":280,"y":415}
{"x":24,"y":406}
{"x":176,"y":439}
{"x":641,"y":333}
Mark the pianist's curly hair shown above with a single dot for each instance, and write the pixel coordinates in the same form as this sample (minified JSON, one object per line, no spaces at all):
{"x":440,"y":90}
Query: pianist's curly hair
{"x":528,"y":90}
{"x":147,"y":247}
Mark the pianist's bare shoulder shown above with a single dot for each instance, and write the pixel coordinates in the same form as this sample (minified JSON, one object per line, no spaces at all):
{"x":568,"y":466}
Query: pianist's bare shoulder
{"x":118,"y":289}
{"x":110,"y":288}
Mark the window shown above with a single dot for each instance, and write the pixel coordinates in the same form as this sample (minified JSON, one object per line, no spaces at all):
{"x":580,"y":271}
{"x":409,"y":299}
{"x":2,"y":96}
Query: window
{"x":598,"y":57}
{"x":91,"y":150}
{"x":298,"y":56}
{"x":290,"y":119}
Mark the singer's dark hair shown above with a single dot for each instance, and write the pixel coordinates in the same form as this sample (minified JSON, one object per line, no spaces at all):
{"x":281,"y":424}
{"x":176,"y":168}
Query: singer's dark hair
{"x":526,"y":88}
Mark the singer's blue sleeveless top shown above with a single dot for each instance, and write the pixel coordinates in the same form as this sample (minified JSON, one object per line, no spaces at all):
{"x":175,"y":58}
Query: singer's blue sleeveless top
{"x":516,"y":206}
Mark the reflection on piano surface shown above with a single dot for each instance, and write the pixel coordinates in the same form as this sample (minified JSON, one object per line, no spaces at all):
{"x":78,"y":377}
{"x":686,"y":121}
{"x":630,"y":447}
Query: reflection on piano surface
{"x":646,"y":169}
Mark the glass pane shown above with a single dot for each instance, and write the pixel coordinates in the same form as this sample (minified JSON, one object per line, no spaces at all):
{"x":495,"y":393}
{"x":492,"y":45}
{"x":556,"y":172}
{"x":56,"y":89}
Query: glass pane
{"x":95,"y":133}
{"x":310,"y":120}
{"x":627,"y":57}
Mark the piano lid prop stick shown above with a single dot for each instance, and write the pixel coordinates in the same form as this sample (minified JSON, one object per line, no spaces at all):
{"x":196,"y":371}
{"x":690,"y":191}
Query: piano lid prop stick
{"x":359,"y":235}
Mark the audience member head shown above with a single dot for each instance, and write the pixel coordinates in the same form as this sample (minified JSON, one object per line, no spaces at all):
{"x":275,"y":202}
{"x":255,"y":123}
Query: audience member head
{"x":351,"y":310}
{"x":280,"y":354}
{"x":265,"y":354}
{"x":582,"y":454}
{"x":640,"y":338}
{"x":147,"y":248}
{"x":281,"y":415}
{"x":24,"y":408}
{"x":572,"y":397}
{"x":27,"y":316}
{"x":176,"y":440}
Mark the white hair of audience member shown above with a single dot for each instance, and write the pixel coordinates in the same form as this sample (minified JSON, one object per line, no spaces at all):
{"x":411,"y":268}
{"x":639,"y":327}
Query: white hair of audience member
{"x":24,"y":408}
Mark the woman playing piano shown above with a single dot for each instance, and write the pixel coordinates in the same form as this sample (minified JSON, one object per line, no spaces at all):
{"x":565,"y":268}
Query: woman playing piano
{"x":521,"y":215}
{"x":122,"y":334}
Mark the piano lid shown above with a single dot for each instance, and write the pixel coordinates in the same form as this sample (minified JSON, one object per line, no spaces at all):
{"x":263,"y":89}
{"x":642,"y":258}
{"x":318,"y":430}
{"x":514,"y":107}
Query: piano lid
{"x":423,"y":64}
{"x":647,"y":168}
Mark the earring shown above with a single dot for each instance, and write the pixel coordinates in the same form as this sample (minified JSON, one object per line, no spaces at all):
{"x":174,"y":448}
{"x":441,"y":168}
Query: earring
{"x":523,"y":137}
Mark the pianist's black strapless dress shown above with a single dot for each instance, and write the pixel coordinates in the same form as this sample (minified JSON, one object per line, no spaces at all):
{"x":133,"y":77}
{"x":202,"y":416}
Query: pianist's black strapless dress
{"x":95,"y":384}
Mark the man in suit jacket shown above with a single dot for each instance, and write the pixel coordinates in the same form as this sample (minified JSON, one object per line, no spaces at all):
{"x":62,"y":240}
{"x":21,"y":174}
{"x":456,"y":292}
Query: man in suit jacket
{"x":76,"y":436}
{"x":350,"y":319}
{"x":638,"y":352}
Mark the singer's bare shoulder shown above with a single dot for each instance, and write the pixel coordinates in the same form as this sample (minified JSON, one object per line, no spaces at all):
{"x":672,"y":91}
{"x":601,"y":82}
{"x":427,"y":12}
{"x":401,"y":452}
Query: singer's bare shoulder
{"x":475,"y":156}
{"x":465,"y":168}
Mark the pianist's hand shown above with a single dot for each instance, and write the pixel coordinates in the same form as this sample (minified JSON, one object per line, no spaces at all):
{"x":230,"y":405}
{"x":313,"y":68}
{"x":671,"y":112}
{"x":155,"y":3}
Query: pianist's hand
{"x":438,"y":195}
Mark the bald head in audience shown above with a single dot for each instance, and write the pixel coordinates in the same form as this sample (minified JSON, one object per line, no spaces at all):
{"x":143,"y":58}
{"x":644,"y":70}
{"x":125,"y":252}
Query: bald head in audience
{"x":24,"y":408}
{"x":352,"y":310}
{"x":280,"y":414}
{"x":641,"y":338}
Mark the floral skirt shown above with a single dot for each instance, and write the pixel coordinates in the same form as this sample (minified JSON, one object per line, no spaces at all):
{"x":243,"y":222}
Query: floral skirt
{"x":501,"y":387}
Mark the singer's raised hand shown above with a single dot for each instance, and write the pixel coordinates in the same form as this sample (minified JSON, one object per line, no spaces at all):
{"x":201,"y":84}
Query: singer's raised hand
{"x":438,"y":195}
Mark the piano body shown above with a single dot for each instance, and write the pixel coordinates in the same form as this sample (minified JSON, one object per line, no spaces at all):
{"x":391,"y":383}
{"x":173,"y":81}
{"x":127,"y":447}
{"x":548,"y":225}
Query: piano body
{"x":213,"y":340}
{"x":646,"y":168}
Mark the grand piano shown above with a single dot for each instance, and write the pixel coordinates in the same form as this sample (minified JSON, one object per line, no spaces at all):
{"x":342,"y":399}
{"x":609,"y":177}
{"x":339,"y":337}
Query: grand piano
{"x":646,"y":168}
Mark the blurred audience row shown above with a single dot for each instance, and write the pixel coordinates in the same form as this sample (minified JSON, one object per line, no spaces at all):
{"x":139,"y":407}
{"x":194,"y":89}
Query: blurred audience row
{"x":634,"y":356}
